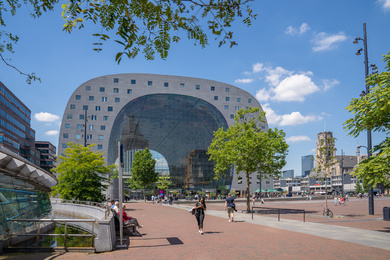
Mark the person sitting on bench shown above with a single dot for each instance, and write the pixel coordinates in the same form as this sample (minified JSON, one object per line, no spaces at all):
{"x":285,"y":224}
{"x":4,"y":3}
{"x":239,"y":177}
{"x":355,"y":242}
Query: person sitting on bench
{"x":127,"y":220}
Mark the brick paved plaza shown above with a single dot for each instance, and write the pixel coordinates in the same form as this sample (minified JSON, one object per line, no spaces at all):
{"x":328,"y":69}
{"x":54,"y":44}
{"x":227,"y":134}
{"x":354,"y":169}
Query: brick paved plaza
{"x":170,"y":232}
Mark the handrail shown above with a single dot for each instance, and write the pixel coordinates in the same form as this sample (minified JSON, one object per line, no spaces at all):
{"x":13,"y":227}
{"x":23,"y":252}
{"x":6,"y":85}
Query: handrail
{"x":38,"y":234}
{"x":102,"y":205}
{"x":279,"y":210}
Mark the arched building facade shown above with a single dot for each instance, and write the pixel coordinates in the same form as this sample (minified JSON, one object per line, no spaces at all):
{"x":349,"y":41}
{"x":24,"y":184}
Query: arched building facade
{"x":171,"y":115}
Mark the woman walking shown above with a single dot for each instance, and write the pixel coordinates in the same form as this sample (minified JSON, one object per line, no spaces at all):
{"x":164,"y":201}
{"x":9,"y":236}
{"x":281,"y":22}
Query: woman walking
{"x":200,"y":208}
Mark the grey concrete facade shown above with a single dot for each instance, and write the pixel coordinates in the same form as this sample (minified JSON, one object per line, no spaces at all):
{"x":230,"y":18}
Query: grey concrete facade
{"x":106,"y":97}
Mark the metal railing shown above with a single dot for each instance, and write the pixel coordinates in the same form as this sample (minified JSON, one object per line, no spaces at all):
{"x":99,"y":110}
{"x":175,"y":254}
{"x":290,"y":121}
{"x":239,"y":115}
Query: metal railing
{"x":102,"y":205}
{"x":38,"y":234}
{"x":280,"y":211}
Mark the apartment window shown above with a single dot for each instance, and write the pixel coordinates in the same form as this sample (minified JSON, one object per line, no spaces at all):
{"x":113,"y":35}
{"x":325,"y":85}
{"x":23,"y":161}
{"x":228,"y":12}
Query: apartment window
{"x":101,"y":137}
{"x":237,"y":108}
{"x":109,"y":109}
{"x":102,"y":127}
{"x":72,"y":106}
{"x":85,"y":107}
{"x":227,"y":98}
{"x":166,"y":84}
{"x":78,"y":97}
{"x":102,"y":89}
{"x":67,"y":126}
{"x":129,"y":91}
{"x":97,"y":108}
{"x":100,"y":146}
{"x":91,"y":127}
{"x":197,"y":87}
{"x":263,"y":127}
{"x":132,"y":82}
{"x":77,"y":136}
{"x":116,"y":90}
{"x":93,"y":117}
{"x":150,"y":83}
{"x":117,"y":100}
{"x":226,"y":107}
{"x":65,"y":135}
{"x":64,"y":146}
{"x":105,"y":118}
{"x":104,"y":99}
{"x":238,"y":99}
{"x":79,"y":126}
{"x":215,"y":97}
{"x":239,"y":180}
{"x":227,"y":89}
{"x":81,"y":117}
{"x":181,"y":85}
{"x":231,"y":116}
{"x":116,"y":80}
{"x":249,"y":100}
{"x":91,"y":98}
{"x":87,"y":88}
{"x":212,"y":88}
{"x":89,"y":137}
{"x":69,"y":116}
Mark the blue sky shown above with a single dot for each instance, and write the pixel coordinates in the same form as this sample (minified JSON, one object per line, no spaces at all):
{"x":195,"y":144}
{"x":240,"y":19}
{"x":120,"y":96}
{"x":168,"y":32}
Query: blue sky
{"x":297,"y":59}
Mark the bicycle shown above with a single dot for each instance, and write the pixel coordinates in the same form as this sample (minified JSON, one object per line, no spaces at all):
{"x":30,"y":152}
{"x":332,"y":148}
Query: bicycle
{"x":327,"y":212}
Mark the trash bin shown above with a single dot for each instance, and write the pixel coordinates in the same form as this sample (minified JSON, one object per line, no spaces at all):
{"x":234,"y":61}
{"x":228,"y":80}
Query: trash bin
{"x":386,"y":213}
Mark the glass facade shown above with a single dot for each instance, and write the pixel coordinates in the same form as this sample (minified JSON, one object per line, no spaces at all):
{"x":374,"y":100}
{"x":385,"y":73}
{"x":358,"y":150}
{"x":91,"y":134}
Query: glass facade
{"x":20,"y":200}
{"x":178,"y":127}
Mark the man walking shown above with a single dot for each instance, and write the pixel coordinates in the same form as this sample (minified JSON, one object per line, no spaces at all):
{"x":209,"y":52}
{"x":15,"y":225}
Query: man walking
{"x":230,"y":206}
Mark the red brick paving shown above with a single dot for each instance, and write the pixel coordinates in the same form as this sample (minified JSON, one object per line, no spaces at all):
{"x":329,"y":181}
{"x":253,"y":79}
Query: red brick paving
{"x":239,"y":240}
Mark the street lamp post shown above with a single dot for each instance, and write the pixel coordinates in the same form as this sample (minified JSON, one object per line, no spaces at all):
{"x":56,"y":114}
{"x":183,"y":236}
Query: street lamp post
{"x":342,"y":173}
{"x":369,"y":145}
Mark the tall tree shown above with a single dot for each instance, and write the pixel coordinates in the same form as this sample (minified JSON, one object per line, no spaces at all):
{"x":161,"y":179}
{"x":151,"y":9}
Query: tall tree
{"x":325,"y":161}
{"x":163,"y":182}
{"x":83,"y":174}
{"x":143,"y":170}
{"x":249,"y":149}
{"x":147,"y":26}
{"x":371,"y":112}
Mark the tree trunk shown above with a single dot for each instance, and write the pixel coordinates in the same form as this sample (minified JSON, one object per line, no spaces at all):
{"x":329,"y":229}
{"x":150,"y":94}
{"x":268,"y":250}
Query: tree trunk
{"x":326,"y":194}
{"x":144,"y":194}
{"x":248,"y":206}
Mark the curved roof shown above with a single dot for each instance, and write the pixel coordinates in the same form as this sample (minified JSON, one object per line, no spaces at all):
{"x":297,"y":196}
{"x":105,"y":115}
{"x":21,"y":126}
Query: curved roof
{"x":14,"y":165}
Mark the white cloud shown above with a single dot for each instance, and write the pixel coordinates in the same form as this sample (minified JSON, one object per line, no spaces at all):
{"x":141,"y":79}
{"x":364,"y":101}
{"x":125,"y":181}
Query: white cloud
{"x":296,"y":118}
{"x":290,"y":30}
{"x":243,"y":81}
{"x":294,"y":88}
{"x":52,"y":132}
{"x":386,"y":4}
{"x":257,"y":67}
{"x":323,"y":41}
{"x":46,"y":117}
{"x":298,"y":138}
{"x":272,"y":117}
{"x":263,"y":95}
{"x":329,"y":83}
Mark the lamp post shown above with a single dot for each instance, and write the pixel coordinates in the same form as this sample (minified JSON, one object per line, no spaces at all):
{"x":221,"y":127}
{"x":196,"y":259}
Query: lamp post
{"x":342,"y":173}
{"x":369,"y":145}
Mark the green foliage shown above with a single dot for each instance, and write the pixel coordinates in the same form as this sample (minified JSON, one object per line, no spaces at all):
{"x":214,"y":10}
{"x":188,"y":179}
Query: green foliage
{"x":371,"y":112}
{"x":82,"y":174}
{"x":248,"y":148}
{"x":233,"y":193}
{"x":163,"y":182}
{"x":146,"y":26}
{"x":213,"y":194}
{"x":142,"y":170}
{"x":360,"y":189}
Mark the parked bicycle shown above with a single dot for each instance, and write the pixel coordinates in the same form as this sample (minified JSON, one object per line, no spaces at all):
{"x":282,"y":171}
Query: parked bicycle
{"x":327,"y":212}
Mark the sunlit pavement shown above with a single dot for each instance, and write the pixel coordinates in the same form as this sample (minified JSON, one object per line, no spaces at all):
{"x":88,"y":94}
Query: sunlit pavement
{"x":170,"y":232}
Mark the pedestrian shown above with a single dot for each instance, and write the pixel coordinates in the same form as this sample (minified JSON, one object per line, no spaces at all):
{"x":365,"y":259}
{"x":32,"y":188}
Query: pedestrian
{"x":342,"y":201}
{"x":253,"y":199}
{"x":200,"y":208}
{"x":310,"y":197}
{"x":346,"y":197}
{"x":229,"y":206}
{"x":335,"y":201}
{"x":339,"y":200}
{"x":112,"y":204}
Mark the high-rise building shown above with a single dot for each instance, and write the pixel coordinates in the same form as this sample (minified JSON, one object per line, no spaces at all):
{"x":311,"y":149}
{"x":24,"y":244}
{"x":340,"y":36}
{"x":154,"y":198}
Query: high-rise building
{"x":47,"y":155}
{"x":307,"y":164}
{"x":16,"y":133}
{"x":288,"y":174}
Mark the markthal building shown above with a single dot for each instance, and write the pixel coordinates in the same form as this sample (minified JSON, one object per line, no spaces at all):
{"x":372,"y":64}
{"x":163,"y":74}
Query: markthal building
{"x":175,"y":117}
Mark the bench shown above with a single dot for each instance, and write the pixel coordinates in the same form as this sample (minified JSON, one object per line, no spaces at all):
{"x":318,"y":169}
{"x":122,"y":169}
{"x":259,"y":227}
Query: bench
{"x":132,"y":227}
